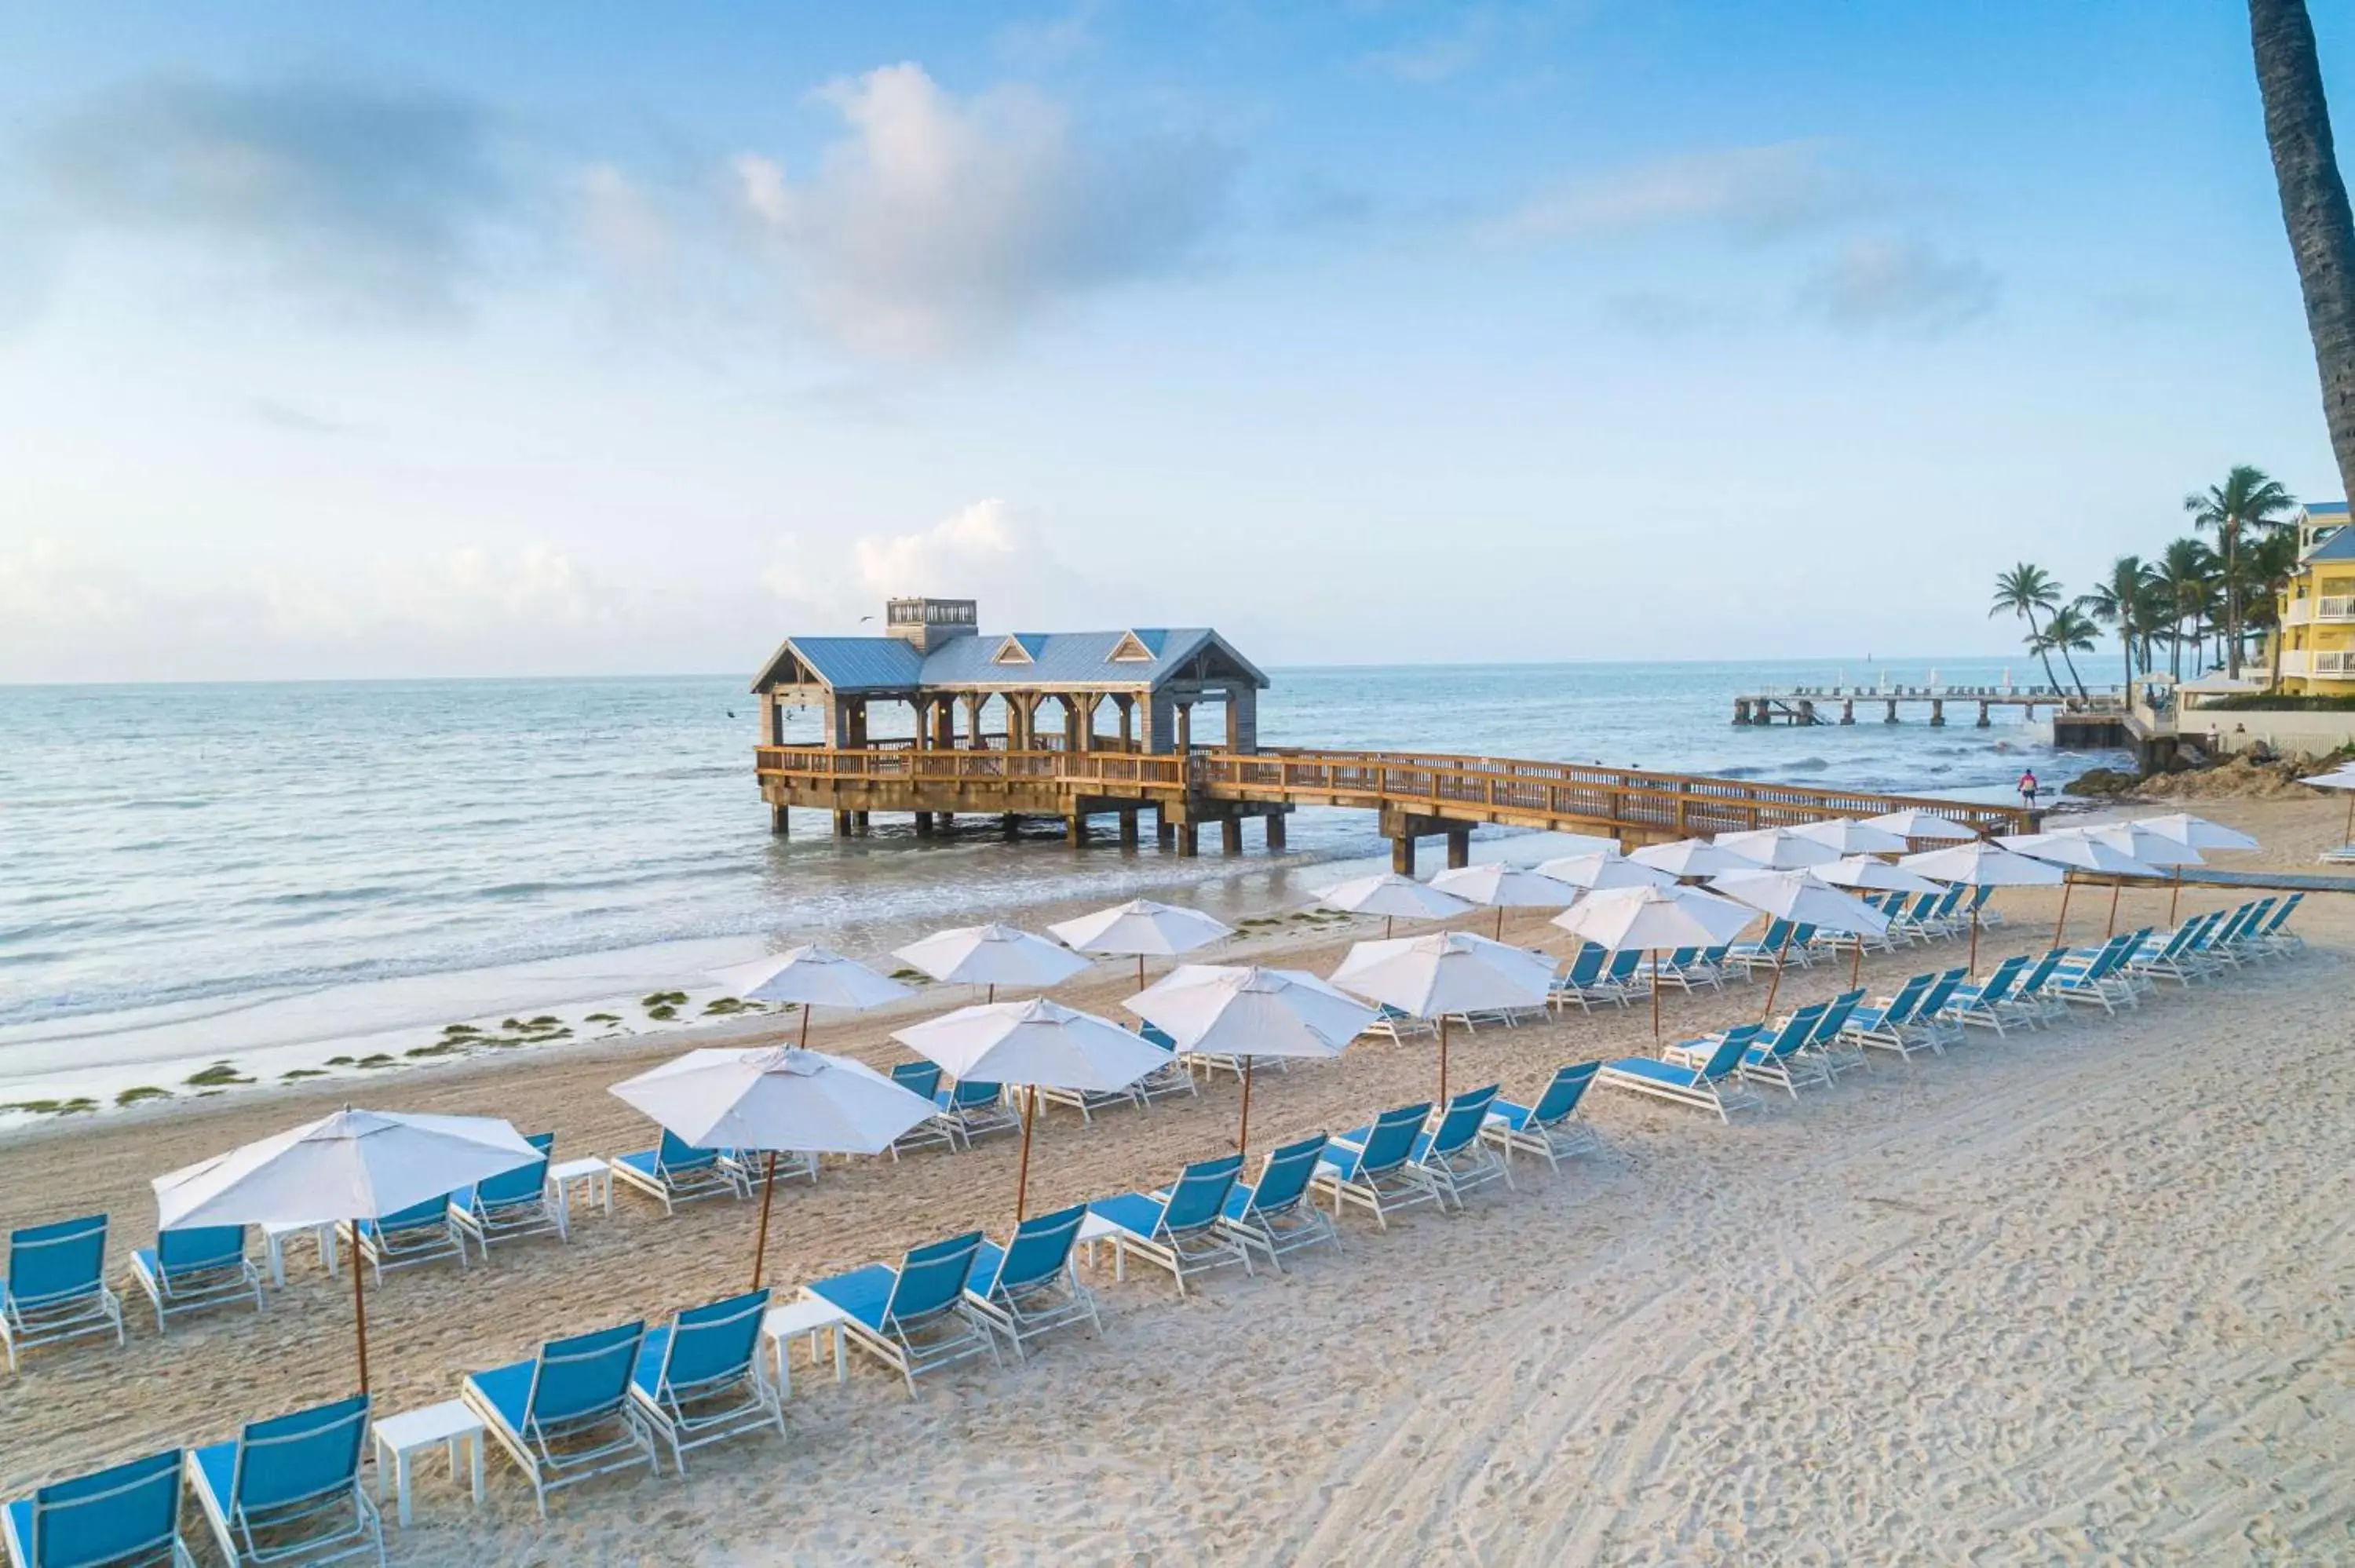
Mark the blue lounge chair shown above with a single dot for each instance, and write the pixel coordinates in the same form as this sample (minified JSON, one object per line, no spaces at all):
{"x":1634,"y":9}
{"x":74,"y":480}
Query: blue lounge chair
{"x":418,"y":1234}
{"x":1584,"y":982}
{"x":1986,"y":1003}
{"x":1778,"y":1055}
{"x":512,"y":1204}
{"x":676,"y":1172}
{"x":567,"y":1415}
{"x":1885,"y":1022}
{"x":2172,"y":956}
{"x":1178,"y":1227}
{"x":696,"y":1381}
{"x":923,"y":1079}
{"x":190,"y":1269}
{"x":1828,"y":1043}
{"x":1274,"y":1215}
{"x":976,"y":1109}
{"x":1373,"y":1166}
{"x":2095,"y":977}
{"x":1452,"y":1156}
{"x":1784,"y":943}
{"x":1550,"y":1130}
{"x":1028,"y":1287}
{"x":288,"y":1489}
{"x":1627,"y":978}
{"x":110,"y":1519}
{"x":913,"y":1318}
{"x":1396,"y":1024}
{"x":2276,"y":939}
{"x":55,"y":1288}
{"x":1713,"y":1085}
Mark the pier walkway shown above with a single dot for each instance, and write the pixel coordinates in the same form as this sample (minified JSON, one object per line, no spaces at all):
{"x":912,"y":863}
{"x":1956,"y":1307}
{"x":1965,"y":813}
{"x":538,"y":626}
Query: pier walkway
{"x":1838,"y":704}
{"x":1415,"y":794}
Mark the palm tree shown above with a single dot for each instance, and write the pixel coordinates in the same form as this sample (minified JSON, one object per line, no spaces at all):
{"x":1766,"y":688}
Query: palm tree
{"x":2023,"y":591}
{"x":2314,"y":206}
{"x":2070,"y":630}
{"x":2184,"y":570}
{"x":2271,"y":562}
{"x":2247,"y":499}
{"x":2154,"y":609}
{"x":2121,"y":601}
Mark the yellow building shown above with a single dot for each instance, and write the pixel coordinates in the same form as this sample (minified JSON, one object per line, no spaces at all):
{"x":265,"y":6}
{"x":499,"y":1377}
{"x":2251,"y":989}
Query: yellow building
{"x":2318,"y":610}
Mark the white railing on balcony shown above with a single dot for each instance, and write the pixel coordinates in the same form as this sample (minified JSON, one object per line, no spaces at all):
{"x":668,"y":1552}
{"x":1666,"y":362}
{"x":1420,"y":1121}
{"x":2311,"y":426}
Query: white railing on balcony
{"x":2293,"y":662}
{"x":2335,"y":607}
{"x":2333,"y":662}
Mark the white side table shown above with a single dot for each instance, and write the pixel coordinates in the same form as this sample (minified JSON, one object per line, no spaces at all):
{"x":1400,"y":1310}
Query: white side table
{"x":810,"y":1316}
{"x":593,"y":1176}
{"x":275,"y":1237}
{"x":1093,"y":1229}
{"x":399,"y":1438}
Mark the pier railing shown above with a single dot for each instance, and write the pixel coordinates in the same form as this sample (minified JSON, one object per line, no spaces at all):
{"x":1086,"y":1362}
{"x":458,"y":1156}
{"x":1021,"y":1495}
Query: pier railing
{"x":1513,"y":790}
{"x":901,"y":762}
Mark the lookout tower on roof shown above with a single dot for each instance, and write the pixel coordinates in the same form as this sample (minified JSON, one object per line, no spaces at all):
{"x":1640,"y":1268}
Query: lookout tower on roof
{"x":1022,"y":700}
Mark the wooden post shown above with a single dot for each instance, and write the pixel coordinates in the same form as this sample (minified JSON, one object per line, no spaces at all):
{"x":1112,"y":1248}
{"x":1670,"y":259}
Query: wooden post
{"x":1459,"y":848}
{"x":1128,"y":826}
{"x":1127,"y":706}
{"x":842,"y":824}
{"x":779,"y":821}
{"x":1274,"y":821}
{"x":1184,"y":728}
{"x":923,"y":824}
{"x":1164,"y":832}
{"x":1403,"y":854}
{"x":1189,"y":841}
{"x":1231,"y":835}
{"x":1075,"y":828}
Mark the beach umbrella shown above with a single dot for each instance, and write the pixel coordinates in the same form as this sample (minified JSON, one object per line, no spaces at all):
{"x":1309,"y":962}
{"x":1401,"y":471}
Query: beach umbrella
{"x":1142,"y":929}
{"x":1916,"y":825}
{"x":351,"y":1165}
{"x":1849,"y":836}
{"x":1036,"y":1044}
{"x":1393,"y":898}
{"x":1504,"y":888}
{"x":2200,"y":833}
{"x":1444,"y":974}
{"x":1656,"y":919}
{"x":1593,"y":873}
{"x":1691,"y":857}
{"x":1981,"y":864}
{"x":2072,"y":849}
{"x":1802,"y":898}
{"x":1230,"y":1010}
{"x":991,"y":955}
{"x":814,"y":977}
{"x":1777,"y":849}
{"x":777,"y":1099}
{"x":2167,"y":855}
{"x":1876,"y":875}
{"x":2339,"y":779}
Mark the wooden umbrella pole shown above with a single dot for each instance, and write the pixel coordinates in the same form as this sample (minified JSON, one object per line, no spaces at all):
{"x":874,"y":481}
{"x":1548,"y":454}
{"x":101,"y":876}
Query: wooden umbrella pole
{"x":1386,"y":927}
{"x":2067,"y":881}
{"x":768,"y":1191}
{"x":1022,"y":1176}
{"x":805,"y":1012}
{"x":1975,"y":939}
{"x":1781,"y":954}
{"x":2350,"y":815}
{"x":1442,"y":1061}
{"x":1656,"y":999}
{"x":1500,"y":922}
{"x":1243,"y":1134}
{"x":1140,"y":971}
{"x":1856,"y":965}
{"x":992,"y":997}
{"x":2114,"y":911}
{"x":359,"y":1305}
{"x":2175,"y":897}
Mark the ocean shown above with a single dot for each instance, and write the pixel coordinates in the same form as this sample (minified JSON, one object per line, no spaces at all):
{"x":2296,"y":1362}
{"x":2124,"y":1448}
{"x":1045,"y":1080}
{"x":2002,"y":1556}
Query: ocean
{"x":200,"y":869}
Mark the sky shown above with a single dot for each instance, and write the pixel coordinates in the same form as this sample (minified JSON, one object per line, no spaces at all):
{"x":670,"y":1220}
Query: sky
{"x":604,"y":338}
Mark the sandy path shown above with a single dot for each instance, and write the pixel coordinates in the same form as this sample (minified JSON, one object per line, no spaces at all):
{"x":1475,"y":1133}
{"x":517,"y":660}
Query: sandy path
{"x":2067,"y":1296}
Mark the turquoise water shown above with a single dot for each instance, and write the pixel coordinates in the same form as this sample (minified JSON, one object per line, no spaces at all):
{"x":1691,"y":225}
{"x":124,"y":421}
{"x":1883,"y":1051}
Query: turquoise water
{"x":184,"y":846}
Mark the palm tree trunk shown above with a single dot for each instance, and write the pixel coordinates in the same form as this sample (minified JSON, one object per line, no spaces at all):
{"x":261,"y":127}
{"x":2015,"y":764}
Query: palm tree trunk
{"x":2314,"y":206}
{"x":2074,"y":679}
{"x":2232,"y":603}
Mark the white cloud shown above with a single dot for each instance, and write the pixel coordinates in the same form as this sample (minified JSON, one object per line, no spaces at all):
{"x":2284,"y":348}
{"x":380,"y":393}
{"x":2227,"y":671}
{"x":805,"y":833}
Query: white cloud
{"x":941,"y":221}
{"x":1442,"y":56}
{"x":619,"y":220}
{"x":1748,"y":193}
{"x":1901,"y":286}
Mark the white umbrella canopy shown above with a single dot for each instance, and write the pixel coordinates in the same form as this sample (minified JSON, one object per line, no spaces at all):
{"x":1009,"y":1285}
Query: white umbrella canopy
{"x":1393,"y":898}
{"x":2134,"y":840}
{"x":1691,"y":857}
{"x":775,"y":1099}
{"x":1033,"y":1043}
{"x":991,"y":955}
{"x":1803,"y":898}
{"x":814,"y":977}
{"x":1504,"y":888}
{"x":1917,"y":824}
{"x":1879,"y":875}
{"x":1141,"y":929}
{"x":1848,"y":836}
{"x":1657,"y":919}
{"x":2339,"y":779}
{"x":1595,"y":872}
{"x":2197,"y":831}
{"x":1445,"y":973}
{"x":1778,"y":849}
{"x":1982,"y":864}
{"x":354,"y":1165}
{"x":1229,"y":1009}
{"x":2077,"y":852}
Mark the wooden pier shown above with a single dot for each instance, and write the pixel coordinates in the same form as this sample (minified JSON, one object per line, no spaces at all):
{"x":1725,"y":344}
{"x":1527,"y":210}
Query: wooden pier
{"x":1838,"y":704}
{"x":1415,"y":795}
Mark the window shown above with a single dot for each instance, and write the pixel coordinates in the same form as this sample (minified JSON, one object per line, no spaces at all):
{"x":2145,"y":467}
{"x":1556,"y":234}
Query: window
{"x":1131,"y":650}
{"x":1011,"y":651}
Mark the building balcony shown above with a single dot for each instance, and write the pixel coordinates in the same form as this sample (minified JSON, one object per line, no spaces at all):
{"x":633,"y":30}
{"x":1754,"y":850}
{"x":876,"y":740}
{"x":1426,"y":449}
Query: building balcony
{"x":2319,"y":663}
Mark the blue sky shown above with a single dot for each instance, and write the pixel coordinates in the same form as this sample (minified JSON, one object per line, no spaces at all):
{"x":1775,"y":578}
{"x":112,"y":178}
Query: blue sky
{"x":607,"y":338}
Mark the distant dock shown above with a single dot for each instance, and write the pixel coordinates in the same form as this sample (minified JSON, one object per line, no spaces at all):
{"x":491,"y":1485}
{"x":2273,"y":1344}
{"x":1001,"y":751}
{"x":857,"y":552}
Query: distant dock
{"x":1838,"y":704}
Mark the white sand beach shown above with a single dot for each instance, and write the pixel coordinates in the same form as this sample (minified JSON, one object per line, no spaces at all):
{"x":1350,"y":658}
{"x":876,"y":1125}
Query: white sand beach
{"x":2070,"y":1295}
